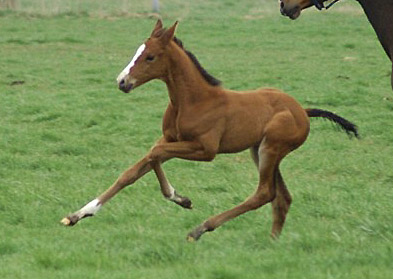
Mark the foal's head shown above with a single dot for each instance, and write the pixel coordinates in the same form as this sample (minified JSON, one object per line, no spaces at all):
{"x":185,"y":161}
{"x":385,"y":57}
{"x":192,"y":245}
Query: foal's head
{"x":149,"y":61}
{"x":293,"y":8}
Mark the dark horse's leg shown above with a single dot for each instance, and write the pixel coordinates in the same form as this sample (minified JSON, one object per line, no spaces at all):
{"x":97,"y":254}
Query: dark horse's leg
{"x":379,"y":14}
{"x":392,"y":77}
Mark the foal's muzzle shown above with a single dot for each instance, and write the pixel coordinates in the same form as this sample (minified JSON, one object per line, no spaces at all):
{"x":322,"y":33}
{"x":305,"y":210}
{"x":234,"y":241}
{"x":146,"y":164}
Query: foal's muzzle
{"x":125,"y":87}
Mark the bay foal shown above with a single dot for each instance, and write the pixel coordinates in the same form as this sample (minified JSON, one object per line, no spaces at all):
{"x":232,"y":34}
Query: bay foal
{"x":203,"y":119}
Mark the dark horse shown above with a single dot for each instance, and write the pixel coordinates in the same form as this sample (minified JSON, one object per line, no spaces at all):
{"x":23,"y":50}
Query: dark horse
{"x":378,"y":12}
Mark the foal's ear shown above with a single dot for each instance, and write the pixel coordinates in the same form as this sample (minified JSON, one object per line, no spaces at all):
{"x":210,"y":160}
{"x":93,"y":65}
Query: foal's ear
{"x":169,"y":34}
{"x":157,"y":27}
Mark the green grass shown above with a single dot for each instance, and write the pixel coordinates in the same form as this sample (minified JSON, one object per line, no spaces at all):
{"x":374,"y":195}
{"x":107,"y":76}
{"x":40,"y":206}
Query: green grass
{"x":67,"y":133}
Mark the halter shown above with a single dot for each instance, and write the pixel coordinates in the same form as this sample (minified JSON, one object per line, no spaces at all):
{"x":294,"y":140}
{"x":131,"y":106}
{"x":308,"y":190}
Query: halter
{"x":319,"y":4}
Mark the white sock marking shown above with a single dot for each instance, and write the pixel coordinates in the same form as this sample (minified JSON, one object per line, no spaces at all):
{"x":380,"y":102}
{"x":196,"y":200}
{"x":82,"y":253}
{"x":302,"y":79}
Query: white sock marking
{"x":90,"y":209}
{"x":127,"y":69}
{"x":172,"y":193}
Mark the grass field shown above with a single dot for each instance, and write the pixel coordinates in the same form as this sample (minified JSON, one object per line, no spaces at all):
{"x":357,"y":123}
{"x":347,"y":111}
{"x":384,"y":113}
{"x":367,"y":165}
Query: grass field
{"x":67,"y":133}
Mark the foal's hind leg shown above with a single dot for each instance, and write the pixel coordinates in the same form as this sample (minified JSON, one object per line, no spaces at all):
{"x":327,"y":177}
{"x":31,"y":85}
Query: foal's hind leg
{"x":167,"y":190}
{"x":282,"y":201}
{"x":269,"y":157}
{"x":280,"y":204}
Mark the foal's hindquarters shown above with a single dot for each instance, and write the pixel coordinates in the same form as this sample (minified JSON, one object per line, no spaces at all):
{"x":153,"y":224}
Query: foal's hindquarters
{"x":274,"y":125}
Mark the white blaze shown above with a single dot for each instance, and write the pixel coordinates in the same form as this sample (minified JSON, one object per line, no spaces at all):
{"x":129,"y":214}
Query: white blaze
{"x":131,"y":64}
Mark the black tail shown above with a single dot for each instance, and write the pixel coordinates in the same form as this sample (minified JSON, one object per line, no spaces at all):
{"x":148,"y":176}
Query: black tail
{"x":347,"y":126}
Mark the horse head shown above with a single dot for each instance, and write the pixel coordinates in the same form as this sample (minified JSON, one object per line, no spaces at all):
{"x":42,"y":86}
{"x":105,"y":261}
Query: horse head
{"x":293,"y":8}
{"x":149,"y":61}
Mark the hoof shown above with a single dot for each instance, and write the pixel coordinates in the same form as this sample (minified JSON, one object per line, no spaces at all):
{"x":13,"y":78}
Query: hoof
{"x":65,"y":221}
{"x":196,"y":233}
{"x":185,"y":203}
{"x":70,"y":220}
{"x":275,"y":235}
{"x":190,"y":238}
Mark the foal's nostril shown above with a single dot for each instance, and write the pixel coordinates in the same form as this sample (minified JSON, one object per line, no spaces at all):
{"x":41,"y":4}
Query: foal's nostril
{"x":121,"y":83}
{"x":281,"y":4}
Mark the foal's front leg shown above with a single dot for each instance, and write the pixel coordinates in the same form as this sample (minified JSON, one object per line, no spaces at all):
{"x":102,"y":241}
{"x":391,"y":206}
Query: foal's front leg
{"x":127,"y":178}
{"x":161,"y":152}
{"x":166,"y":188}
{"x":188,"y":150}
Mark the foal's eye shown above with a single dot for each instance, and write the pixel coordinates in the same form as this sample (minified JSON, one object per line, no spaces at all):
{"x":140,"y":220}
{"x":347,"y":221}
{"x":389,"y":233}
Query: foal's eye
{"x":149,"y":58}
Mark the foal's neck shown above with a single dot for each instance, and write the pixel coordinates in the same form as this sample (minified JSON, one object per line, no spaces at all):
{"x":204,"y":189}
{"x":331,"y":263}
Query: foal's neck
{"x":186,"y":86}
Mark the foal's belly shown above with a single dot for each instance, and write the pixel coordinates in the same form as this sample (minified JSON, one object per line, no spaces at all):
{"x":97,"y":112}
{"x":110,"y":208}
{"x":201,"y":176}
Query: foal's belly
{"x":244,"y":130}
{"x":234,"y":147}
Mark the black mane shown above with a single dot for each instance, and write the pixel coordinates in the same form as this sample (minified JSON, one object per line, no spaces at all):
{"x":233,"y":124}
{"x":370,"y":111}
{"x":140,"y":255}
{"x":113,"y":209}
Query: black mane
{"x":209,"y":78}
